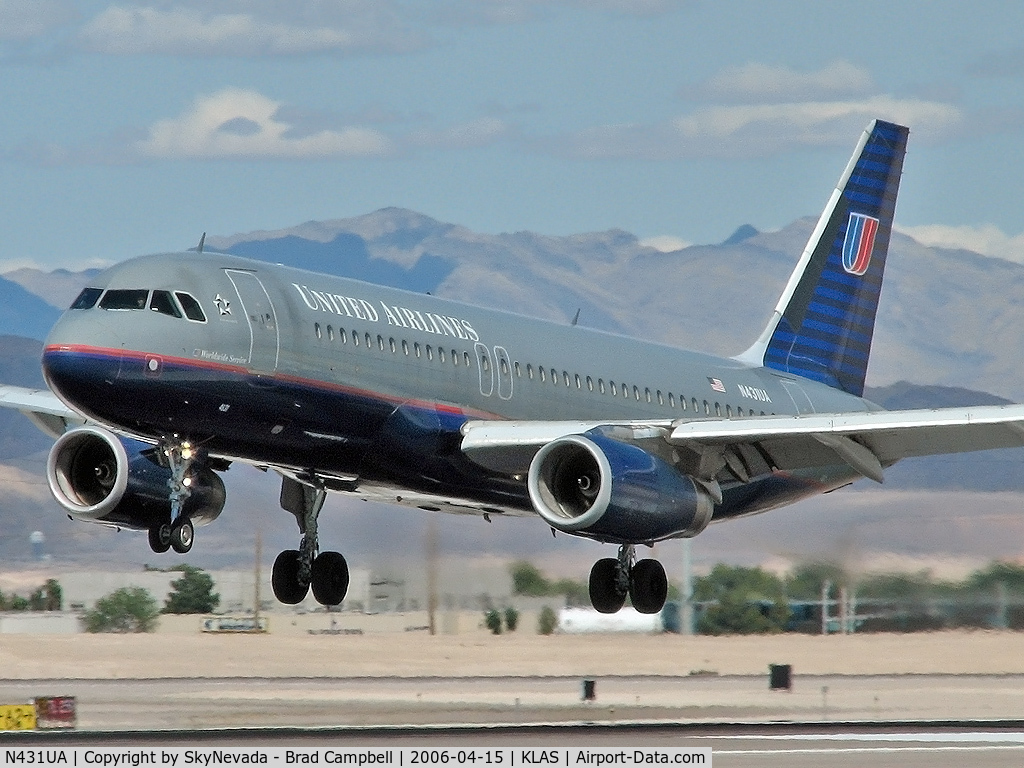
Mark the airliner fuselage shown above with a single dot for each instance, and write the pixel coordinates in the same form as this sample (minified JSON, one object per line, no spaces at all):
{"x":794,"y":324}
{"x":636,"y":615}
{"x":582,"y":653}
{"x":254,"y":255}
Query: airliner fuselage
{"x":369,"y":385}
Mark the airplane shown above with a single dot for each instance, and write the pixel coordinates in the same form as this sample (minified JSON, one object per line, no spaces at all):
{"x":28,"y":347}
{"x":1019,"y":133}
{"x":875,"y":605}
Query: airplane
{"x":168,"y":368}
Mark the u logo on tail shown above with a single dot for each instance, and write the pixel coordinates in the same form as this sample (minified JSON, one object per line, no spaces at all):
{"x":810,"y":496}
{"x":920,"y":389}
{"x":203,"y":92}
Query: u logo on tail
{"x":859,"y":243}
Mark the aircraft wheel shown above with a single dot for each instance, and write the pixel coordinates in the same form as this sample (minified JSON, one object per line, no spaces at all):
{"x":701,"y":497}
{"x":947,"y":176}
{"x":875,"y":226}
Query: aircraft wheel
{"x":182,"y":536}
{"x":160,"y":538}
{"x":329,"y":578}
{"x":285,"y":578}
{"x":648,"y":586}
{"x":604,"y":590}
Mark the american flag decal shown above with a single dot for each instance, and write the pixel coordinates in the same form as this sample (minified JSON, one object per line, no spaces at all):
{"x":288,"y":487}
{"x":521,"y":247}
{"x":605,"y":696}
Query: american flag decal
{"x":859,"y":243}
{"x":716,"y":384}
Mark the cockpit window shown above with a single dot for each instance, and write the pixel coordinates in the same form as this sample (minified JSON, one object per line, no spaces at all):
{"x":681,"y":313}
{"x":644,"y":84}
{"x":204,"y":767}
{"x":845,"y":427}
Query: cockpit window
{"x":87,"y":298}
{"x":162,"y":302}
{"x":127,"y":298}
{"x":192,"y":309}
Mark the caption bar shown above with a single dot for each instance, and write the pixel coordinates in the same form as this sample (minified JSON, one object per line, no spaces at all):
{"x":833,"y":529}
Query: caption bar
{"x":503,"y":757}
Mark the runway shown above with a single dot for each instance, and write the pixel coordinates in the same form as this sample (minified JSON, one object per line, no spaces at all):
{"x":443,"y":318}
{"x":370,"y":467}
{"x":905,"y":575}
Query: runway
{"x":227,"y":702}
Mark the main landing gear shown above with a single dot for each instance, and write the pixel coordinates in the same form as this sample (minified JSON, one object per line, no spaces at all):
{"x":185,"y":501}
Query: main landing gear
{"x":296,"y":570}
{"x":611,"y":579}
{"x":179,"y":533}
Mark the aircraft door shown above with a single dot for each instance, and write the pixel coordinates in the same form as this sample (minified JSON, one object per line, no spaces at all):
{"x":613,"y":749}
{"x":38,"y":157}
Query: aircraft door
{"x":486,"y":367}
{"x":504,"y":373}
{"x":264,"y":346}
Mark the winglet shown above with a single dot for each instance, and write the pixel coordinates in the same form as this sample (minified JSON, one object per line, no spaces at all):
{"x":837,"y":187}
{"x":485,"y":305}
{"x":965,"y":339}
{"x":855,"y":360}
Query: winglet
{"x":823,"y":324}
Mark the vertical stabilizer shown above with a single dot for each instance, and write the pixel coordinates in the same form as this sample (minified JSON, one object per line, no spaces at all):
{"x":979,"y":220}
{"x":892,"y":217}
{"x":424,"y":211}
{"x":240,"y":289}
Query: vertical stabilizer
{"x":823,"y":324}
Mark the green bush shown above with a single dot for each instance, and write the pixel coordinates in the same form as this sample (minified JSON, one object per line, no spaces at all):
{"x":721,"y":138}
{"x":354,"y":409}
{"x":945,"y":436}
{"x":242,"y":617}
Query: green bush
{"x":192,"y":593}
{"x":511,"y":619}
{"x":129,"y":609}
{"x":547,"y":621}
{"x":492,"y":619}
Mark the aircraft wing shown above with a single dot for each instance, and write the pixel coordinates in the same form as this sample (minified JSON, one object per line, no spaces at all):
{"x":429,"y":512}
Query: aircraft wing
{"x":42,"y":407}
{"x":867,"y":441}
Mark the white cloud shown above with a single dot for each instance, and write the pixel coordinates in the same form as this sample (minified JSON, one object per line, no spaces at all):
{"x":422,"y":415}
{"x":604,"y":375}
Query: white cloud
{"x":266,"y":30}
{"x":244,"y":124}
{"x":815,"y":122}
{"x":986,"y":239}
{"x":752,"y":130}
{"x":756,"y":82}
{"x":24,"y":19}
{"x":665,"y":243}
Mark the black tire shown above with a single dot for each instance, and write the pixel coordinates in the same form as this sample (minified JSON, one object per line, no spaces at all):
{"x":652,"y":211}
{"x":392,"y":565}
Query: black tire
{"x":648,"y":586}
{"x":183,"y":534}
{"x":285,"y":578}
{"x":329,"y":578}
{"x":160,"y":538}
{"x":604,"y":589}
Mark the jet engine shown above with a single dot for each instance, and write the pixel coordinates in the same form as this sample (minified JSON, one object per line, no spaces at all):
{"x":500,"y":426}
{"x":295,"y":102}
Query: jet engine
{"x":100,"y":477}
{"x":592,"y":485}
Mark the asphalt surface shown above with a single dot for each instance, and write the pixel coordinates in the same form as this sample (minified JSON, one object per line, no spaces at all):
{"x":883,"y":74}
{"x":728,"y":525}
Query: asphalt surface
{"x":835,"y":720}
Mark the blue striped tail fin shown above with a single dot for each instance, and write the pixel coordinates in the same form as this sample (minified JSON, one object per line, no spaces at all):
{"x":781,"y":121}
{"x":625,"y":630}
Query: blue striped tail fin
{"x":824,"y":322}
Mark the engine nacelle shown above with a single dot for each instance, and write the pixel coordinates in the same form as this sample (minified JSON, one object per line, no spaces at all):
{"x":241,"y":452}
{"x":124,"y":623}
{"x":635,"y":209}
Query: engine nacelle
{"x":100,"y":477}
{"x":591,"y":485}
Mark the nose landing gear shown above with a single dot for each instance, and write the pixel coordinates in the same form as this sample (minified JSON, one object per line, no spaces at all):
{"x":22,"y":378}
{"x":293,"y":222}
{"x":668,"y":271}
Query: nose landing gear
{"x":178,"y":534}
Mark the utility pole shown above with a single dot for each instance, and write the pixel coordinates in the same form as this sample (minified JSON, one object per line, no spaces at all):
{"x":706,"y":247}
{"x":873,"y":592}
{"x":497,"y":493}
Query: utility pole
{"x":431,"y":547}
{"x":257,"y":598}
{"x":686,"y":608}
{"x":825,"y":589}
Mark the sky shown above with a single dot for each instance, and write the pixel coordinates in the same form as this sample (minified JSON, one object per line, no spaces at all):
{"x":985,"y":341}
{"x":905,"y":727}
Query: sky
{"x":133,"y":127}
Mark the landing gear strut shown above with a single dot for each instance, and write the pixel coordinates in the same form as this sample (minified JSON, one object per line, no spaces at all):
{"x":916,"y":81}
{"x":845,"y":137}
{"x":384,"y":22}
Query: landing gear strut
{"x":611,"y":579}
{"x":296,"y":570}
{"x":179,"y":533}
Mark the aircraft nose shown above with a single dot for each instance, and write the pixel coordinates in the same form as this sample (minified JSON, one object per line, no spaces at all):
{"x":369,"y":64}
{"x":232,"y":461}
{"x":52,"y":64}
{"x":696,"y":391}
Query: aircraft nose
{"x":81,"y":360}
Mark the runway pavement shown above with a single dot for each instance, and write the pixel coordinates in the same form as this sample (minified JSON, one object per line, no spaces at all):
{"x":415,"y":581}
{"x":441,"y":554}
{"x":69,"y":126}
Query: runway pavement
{"x":210,"y":702}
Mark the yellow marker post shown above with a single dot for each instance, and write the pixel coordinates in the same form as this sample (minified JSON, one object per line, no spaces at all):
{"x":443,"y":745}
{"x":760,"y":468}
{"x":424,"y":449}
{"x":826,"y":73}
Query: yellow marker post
{"x":17,"y":717}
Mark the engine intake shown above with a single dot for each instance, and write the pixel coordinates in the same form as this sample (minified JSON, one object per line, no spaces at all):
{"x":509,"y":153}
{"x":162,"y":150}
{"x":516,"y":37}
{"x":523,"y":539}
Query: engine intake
{"x":99,"y":477}
{"x":594,"y":486}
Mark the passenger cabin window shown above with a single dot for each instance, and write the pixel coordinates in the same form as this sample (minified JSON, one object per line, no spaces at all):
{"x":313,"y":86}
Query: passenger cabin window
{"x":162,"y":302}
{"x":124,"y":298}
{"x":87,"y":298}
{"x":192,"y":309}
